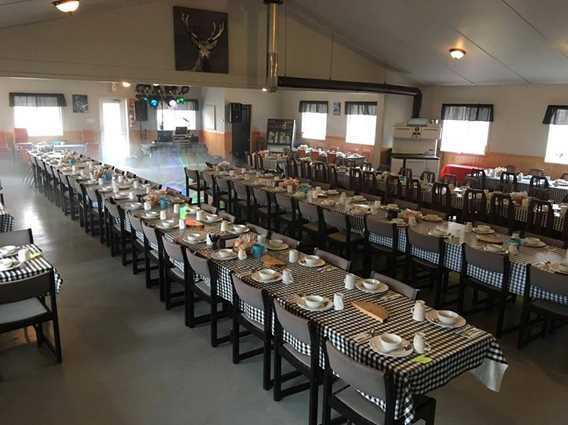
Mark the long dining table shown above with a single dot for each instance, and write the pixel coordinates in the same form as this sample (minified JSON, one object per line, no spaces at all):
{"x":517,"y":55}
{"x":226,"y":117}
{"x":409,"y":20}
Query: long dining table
{"x":452,"y":351}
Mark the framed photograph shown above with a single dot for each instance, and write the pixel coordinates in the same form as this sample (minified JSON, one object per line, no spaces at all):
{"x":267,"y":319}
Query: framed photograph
{"x":201,"y":40}
{"x":80,"y":103}
{"x":336,"y":108}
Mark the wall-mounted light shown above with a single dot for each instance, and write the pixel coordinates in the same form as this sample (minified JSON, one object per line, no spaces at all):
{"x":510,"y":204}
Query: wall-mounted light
{"x":66,"y":6}
{"x":264,"y":89}
{"x":126,"y":84}
{"x":457,"y":54}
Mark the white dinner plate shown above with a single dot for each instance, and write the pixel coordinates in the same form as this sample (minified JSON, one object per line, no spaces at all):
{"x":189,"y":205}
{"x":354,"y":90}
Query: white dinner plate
{"x":404,"y":350}
{"x":380,"y":289}
{"x":483,"y":231}
{"x":432,"y":218}
{"x":8,"y":250}
{"x":256,"y":277}
{"x":195,"y":240}
{"x":281,"y":247}
{"x":326,"y":305}
{"x":7,"y":264}
{"x":533,"y":244}
{"x":239,"y":229}
{"x":432,"y":317}
{"x":167,"y":225}
{"x":318,"y":263}
{"x":150,"y":214}
{"x":133,"y":206}
{"x":216,"y":256}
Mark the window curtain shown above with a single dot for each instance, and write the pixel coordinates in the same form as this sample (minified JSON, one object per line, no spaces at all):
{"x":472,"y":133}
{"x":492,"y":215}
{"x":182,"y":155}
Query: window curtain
{"x":556,"y":114}
{"x":360,"y":108}
{"x":37,"y":99}
{"x":462,"y":112}
{"x":320,"y":107}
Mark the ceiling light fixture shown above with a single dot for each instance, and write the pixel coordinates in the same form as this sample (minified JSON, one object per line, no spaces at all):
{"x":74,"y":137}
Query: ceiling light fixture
{"x":126,"y":84}
{"x":66,"y":6}
{"x":457,"y":54}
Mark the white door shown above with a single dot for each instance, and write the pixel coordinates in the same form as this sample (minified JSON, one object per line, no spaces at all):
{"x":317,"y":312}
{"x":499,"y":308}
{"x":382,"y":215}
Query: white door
{"x":114,"y":130}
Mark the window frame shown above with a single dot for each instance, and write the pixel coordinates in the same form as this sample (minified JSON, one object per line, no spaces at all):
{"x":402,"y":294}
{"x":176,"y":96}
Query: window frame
{"x":304,"y":115}
{"x":373,"y":137}
{"x":482,"y":151}
{"x":32,"y":129}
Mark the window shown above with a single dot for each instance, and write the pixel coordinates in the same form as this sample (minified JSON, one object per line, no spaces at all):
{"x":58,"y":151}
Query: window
{"x":556,"y":117}
{"x":171,"y":118}
{"x":468,"y":137}
{"x":465,"y":128}
{"x":314,"y":119}
{"x":556,"y":146}
{"x":39,"y":120}
{"x":314,"y":125}
{"x":361,"y":122}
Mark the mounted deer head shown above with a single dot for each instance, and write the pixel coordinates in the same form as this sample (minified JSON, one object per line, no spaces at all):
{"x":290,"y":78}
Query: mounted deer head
{"x":206,"y":46}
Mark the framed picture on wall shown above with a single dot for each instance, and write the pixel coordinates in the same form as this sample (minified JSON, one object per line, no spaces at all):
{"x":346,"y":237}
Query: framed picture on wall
{"x":201,"y":40}
{"x":80,"y":103}
{"x":336,"y":108}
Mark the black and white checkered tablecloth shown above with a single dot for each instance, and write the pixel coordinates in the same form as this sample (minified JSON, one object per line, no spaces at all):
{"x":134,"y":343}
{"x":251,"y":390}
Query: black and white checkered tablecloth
{"x":453,"y":262}
{"x":6,"y":220}
{"x":31,"y":268}
{"x":557,"y":193}
{"x":452,"y":353}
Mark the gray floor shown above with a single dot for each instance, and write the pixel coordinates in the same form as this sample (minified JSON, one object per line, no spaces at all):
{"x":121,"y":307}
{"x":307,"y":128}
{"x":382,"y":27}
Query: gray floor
{"x":128,"y":361}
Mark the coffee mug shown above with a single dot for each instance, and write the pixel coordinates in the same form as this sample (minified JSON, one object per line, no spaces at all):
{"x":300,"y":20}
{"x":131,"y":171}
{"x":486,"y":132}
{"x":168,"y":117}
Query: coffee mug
{"x":287,"y":276}
{"x":224,"y":226}
{"x":24,"y":255}
{"x":338,"y":303}
{"x":293,"y":256}
{"x":350,"y":281}
{"x":419,"y":311}
{"x":242,"y":254}
{"x":181,"y":224}
{"x":257,"y":250}
{"x":420,"y":344}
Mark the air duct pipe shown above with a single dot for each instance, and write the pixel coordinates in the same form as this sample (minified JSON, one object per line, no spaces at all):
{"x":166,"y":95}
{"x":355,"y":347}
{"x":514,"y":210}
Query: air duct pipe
{"x":271,"y":83}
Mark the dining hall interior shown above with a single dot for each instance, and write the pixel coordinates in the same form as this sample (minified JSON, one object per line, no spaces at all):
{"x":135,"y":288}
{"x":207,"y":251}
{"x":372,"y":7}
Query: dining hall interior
{"x":283,"y":211}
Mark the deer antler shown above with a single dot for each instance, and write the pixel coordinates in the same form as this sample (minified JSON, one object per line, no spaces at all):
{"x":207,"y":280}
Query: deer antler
{"x":217,"y":32}
{"x":186,"y":20}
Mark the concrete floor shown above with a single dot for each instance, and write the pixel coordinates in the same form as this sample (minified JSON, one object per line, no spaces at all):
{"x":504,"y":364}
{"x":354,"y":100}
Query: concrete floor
{"x":128,"y":361}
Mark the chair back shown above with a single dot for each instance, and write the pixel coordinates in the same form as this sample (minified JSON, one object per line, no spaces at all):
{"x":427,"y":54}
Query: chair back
{"x":200,"y":265}
{"x":260,"y":197}
{"x":17,"y":237}
{"x":291,"y":242}
{"x":336,"y":219}
{"x":449,"y":179}
{"x":150,"y":234}
{"x":413,"y":191}
{"x":540,"y":217}
{"x":406,"y":172}
{"x":501,"y":210}
{"x":248,"y":294}
{"x":396,"y":285}
{"x":508,"y":182}
{"x":209,"y":208}
{"x":305,"y":170}
{"x":208,"y":180}
{"x":332,"y":175}
{"x":441,"y":196}
{"x":539,"y":172}
{"x":309,"y":211}
{"x":393,"y":188}
{"x":538,"y":187}
{"x":369,"y":184}
{"x":228,"y":217}
{"x":30,"y":287}
{"x":490,"y":261}
{"x":223,"y":185}
{"x":355,"y":179}
{"x":292,"y":168}
{"x":296,"y":326}
{"x":474,"y":205}
{"x":423,"y":242}
{"x":333,"y":259}
{"x":284,"y":202}
{"x":319,"y":172}
{"x":428,"y":176}
{"x":173,"y":250}
{"x":363,"y":378}
{"x":477,"y":179}
{"x":554,"y":283}
{"x":241,"y":190}
{"x":381,"y":228}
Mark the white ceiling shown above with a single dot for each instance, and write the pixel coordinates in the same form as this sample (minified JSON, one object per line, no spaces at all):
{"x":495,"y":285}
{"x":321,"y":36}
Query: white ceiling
{"x":507,"y":41}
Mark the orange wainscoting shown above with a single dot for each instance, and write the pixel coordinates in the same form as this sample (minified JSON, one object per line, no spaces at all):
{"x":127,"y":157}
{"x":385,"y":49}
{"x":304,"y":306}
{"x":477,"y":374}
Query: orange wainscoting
{"x":217,"y":142}
{"x":496,"y":159}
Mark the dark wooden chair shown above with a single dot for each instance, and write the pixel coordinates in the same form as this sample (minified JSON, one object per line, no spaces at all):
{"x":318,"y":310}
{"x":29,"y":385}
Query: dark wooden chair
{"x":502,"y":210}
{"x":449,"y":179}
{"x":428,"y":176}
{"x":393,"y":188}
{"x":540,"y":219}
{"x":369,"y":184}
{"x":17,"y":237}
{"x":242,"y":201}
{"x":474,"y":206}
{"x":538,"y":172}
{"x":539,"y":187}
{"x":176,"y":275}
{"x":406,"y":172}
{"x":193,"y":183}
{"x":356,"y":378}
{"x":382,"y":241}
{"x":442,"y":197}
{"x":355,"y":180}
{"x":334,"y":260}
{"x":306,"y":365}
{"x":508,"y":182}
{"x":341,"y":236}
{"x":537,"y":282}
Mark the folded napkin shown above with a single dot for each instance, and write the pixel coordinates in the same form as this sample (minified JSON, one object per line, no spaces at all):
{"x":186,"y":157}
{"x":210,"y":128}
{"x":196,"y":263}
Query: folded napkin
{"x":375,"y":311}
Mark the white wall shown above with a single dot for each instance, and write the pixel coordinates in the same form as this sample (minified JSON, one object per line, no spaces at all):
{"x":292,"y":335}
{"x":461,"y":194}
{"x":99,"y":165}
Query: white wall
{"x":519,"y":110}
{"x":263,"y":105}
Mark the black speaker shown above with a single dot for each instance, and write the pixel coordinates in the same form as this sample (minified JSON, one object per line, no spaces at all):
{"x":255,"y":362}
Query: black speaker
{"x":141,"y":110}
{"x":235,"y":112}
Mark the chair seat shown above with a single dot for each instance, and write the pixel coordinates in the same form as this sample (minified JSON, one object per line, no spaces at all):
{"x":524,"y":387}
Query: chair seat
{"x":311,"y":227}
{"x":21,"y":310}
{"x":204,"y":286}
{"x":304,"y":359}
{"x":342,"y":237}
{"x":360,"y":405}
{"x":555,"y":308}
{"x":179,"y":274}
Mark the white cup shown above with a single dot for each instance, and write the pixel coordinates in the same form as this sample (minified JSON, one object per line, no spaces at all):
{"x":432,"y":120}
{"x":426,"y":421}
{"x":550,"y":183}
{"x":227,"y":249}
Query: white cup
{"x":290,"y":189}
{"x":24,"y":255}
{"x":420,"y":344}
{"x":419,"y":311}
{"x":293,"y":256}
{"x":261,"y":239}
{"x":199,"y":215}
{"x":132,"y":196}
{"x":163,"y":215}
{"x":242,"y":254}
{"x":350,"y":280}
{"x":338,"y":303}
{"x":176,"y":208}
{"x":147,"y":206}
{"x":101,"y":182}
{"x":135,"y":184}
{"x":181,"y":224}
{"x":287,"y":277}
{"x":224,"y":226}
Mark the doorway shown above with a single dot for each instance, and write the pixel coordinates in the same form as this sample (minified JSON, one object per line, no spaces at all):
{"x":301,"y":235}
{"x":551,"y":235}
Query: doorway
{"x":114,"y":130}
{"x":241,"y":135}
